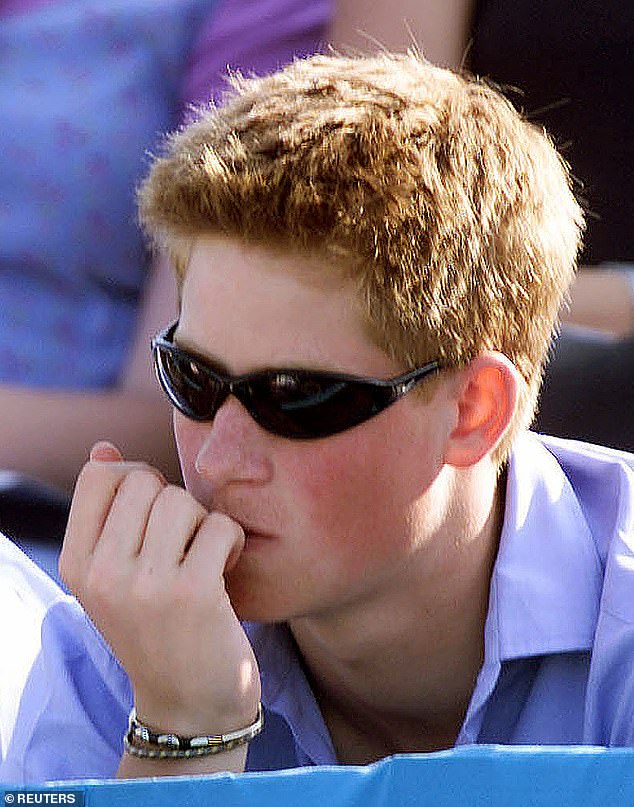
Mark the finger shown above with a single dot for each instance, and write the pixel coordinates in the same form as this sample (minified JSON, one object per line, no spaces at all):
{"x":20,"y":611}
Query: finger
{"x":172,"y":525}
{"x":124,"y":529}
{"x":103,"y":451}
{"x":95,"y":490}
{"x":216,"y":546}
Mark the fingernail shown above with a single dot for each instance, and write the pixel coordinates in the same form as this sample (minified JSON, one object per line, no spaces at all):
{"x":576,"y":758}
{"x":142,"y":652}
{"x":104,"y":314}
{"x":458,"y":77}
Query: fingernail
{"x":103,"y":451}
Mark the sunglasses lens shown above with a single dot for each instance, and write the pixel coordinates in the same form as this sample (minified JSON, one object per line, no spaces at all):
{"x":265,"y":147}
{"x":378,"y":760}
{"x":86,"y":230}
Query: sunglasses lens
{"x":299,"y":404}
{"x":307,"y":406}
{"x":192,"y":389}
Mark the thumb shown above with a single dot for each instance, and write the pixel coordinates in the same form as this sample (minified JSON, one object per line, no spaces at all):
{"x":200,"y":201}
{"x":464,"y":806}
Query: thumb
{"x":103,"y":451}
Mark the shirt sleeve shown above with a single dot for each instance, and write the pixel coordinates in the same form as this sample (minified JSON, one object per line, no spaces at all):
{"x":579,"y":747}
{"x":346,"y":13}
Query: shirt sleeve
{"x":252,"y":36}
{"x":74,"y":707}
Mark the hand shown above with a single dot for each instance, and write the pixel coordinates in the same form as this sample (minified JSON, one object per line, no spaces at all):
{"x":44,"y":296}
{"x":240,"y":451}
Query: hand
{"x":147,"y":562}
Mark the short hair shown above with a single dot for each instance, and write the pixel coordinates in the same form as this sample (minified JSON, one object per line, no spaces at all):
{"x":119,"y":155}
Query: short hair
{"x":454,"y":215}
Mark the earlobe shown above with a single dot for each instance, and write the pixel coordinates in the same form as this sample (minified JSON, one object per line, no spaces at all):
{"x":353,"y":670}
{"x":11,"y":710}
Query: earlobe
{"x":486,"y":396}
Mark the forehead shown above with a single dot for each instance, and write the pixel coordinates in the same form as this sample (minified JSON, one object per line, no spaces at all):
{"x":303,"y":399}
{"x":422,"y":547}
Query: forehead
{"x":253,"y":307}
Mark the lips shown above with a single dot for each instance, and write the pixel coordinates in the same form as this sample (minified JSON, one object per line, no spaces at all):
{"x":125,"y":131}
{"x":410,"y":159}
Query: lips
{"x":253,"y":541}
{"x":252,"y":532}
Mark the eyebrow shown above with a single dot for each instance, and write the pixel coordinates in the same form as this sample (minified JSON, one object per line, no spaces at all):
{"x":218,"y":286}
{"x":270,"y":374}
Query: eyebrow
{"x":219,"y":366}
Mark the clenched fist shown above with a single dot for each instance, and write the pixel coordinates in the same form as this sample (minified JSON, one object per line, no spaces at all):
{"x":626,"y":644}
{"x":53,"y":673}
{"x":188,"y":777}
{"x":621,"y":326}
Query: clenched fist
{"x":147,"y":562}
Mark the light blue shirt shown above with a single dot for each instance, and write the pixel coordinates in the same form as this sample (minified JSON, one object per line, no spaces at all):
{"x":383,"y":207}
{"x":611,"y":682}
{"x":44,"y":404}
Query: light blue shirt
{"x":559,"y":638}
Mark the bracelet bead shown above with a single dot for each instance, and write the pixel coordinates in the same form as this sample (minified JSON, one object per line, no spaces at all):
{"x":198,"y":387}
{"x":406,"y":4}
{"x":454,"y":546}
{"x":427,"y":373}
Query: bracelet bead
{"x":141,"y":741}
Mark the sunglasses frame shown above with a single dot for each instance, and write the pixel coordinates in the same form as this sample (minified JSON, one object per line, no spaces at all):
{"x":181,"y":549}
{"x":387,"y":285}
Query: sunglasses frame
{"x":385,"y":392}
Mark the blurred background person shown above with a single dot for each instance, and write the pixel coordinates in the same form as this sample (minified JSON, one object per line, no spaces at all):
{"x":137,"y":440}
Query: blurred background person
{"x":79,"y":295}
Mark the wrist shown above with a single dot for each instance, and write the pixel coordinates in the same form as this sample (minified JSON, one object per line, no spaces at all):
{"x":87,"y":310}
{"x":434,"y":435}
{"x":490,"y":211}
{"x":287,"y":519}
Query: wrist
{"x":194,"y":720}
{"x":132,"y":767}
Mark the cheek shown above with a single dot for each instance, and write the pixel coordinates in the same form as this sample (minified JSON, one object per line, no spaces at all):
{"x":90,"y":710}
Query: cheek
{"x":357,"y":493}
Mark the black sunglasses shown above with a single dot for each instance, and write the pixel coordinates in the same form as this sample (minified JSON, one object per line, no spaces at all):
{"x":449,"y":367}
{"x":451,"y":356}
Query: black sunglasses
{"x":300,"y":404}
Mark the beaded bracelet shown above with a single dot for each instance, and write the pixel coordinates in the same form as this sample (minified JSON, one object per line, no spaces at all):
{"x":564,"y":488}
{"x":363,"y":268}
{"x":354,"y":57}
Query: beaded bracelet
{"x":141,"y":741}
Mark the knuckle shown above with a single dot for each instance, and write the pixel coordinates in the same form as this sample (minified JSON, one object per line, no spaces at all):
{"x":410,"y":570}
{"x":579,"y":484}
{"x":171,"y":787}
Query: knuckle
{"x":98,"y":590}
{"x":138,"y":481}
{"x":223,"y":525}
{"x":174,"y":504}
{"x":107,"y":597}
{"x":96,"y":473}
{"x":174,"y":496}
{"x":98,"y":576}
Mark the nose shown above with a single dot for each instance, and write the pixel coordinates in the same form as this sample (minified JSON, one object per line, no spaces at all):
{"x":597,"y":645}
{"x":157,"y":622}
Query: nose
{"x":232,"y":449}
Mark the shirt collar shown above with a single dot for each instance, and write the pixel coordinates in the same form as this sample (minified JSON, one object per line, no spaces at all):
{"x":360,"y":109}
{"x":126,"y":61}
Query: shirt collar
{"x":546,"y":582}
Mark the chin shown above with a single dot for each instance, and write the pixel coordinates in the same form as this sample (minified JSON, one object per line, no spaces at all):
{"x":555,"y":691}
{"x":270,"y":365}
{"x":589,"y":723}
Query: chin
{"x":251,"y":603}
{"x":257,"y":612}
{"x":266,"y":594}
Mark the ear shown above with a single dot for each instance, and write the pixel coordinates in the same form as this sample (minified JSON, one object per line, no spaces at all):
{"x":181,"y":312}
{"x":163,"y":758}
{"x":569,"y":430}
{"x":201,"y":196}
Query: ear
{"x":486,"y":394}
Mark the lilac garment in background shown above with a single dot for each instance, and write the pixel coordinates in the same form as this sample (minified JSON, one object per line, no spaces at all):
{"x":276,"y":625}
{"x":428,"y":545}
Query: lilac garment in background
{"x":559,"y":638}
{"x":253,"y":36}
{"x":88,"y":87}
{"x":21,"y":6}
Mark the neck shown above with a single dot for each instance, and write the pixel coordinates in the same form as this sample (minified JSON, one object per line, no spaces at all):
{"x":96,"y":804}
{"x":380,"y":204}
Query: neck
{"x":395,"y":672}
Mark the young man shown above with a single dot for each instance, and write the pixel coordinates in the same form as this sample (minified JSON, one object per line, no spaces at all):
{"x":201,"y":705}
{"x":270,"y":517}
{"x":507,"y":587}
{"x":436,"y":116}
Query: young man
{"x":372,"y":254}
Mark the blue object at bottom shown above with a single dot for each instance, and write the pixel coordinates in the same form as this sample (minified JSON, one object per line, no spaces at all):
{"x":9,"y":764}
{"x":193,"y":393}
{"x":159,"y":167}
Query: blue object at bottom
{"x":475,"y":775}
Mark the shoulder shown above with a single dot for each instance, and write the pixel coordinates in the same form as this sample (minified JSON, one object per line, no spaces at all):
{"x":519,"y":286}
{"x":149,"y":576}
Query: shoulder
{"x":577,"y":454}
{"x":603,"y":481}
